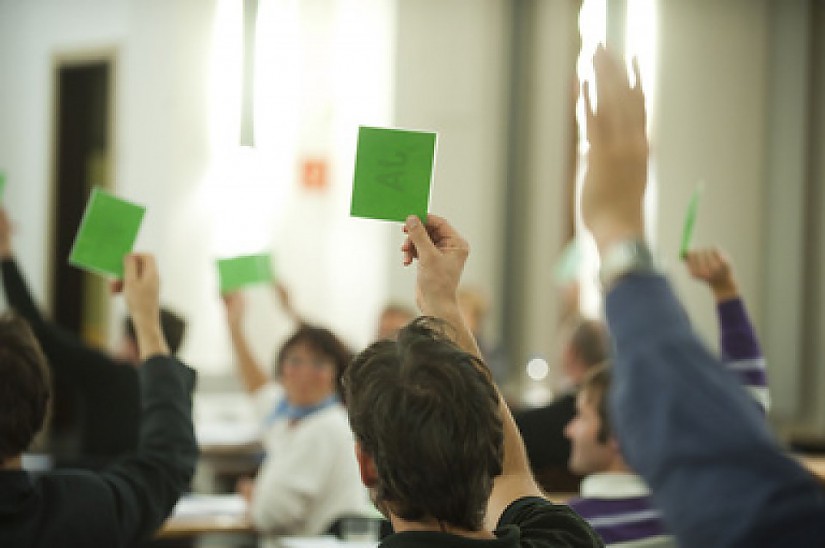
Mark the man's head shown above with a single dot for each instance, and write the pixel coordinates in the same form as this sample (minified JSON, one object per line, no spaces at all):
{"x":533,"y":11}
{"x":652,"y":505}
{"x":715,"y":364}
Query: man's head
{"x":427,"y":425}
{"x":172,"y":325}
{"x":393,"y":317}
{"x":593,"y":446}
{"x":24,"y":387}
{"x":588,"y":345}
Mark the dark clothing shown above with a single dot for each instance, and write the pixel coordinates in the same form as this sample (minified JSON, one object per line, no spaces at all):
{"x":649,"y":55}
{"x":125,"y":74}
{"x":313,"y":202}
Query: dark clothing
{"x":96,"y":404}
{"x":547,"y":447}
{"x":530,"y":522}
{"x":128,"y":500}
{"x":689,"y":429}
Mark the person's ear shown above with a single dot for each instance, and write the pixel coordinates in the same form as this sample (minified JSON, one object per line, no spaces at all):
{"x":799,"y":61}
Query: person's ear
{"x":366,"y":466}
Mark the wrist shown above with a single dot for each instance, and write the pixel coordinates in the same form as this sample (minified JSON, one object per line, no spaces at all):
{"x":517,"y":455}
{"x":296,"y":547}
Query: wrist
{"x":608,"y":233}
{"x":726,"y":292}
{"x":628,"y":256}
{"x":151,"y":341}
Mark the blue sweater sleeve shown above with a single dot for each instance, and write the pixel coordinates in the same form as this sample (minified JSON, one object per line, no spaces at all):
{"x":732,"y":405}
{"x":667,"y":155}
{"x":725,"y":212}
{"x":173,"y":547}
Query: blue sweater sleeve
{"x":687,"y":426}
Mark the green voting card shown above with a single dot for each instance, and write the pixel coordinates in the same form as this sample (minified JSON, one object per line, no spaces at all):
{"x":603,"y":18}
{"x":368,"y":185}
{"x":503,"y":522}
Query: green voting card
{"x":106,"y":235}
{"x":690,"y":220}
{"x":393,"y":173}
{"x":2,"y":185}
{"x":239,"y":272}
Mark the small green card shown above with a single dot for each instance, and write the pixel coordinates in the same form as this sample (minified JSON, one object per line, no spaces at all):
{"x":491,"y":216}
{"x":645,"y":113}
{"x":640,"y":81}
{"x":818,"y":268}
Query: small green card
{"x":690,"y":220}
{"x":239,"y":272}
{"x":2,"y":185}
{"x":393,"y":173}
{"x":106,"y":235}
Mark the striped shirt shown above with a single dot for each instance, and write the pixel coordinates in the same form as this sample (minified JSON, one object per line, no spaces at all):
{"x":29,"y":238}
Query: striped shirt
{"x":618,"y":505}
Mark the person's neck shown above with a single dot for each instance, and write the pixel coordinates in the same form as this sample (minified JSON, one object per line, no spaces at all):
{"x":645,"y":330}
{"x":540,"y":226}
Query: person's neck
{"x":619,"y":466}
{"x":401,"y":525}
{"x":14,"y":463}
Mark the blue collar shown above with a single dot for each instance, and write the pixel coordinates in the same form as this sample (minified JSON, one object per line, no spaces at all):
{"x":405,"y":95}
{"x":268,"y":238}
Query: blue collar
{"x":285,"y":410}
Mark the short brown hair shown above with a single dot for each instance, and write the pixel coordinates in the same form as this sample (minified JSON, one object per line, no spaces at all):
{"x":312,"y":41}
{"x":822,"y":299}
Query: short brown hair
{"x":590,"y":341}
{"x":428,"y":415}
{"x":595,"y":387}
{"x":24,"y":386}
{"x":320,"y":340}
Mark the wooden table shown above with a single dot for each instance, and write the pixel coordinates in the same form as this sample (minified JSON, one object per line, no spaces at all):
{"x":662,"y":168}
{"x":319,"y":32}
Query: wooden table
{"x":197,"y":515}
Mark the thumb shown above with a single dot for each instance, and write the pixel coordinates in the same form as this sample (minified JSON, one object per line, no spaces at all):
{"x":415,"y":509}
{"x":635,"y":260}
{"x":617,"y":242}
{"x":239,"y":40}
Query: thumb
{"x":130,"y":270}
{"x":424,"y":246}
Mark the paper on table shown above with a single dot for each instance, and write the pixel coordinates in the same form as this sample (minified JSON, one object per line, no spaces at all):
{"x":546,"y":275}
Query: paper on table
{"x":393,"y":173}
{"x":238,"y":272}
{"x":196,"y":505}
{"x":106,"y":235}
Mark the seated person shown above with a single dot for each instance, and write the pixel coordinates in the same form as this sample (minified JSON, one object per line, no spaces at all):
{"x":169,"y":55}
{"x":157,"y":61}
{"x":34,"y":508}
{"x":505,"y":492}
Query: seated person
{"x":685,"y":425}
{"x":613,"y":499}
{"x":393,"y":317}
{"x":436,"y":445}
{"x":309,"y":476}
{"x":542,"y":428}
{"x":96,"y":398}
{"x":125,"y":503}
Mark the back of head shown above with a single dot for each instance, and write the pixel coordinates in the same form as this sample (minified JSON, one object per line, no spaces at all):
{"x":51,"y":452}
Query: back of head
{"x":24,"y":387}
{"x":427,"y":413}
{"x":589,"y":341}
{"x":172,"y":325}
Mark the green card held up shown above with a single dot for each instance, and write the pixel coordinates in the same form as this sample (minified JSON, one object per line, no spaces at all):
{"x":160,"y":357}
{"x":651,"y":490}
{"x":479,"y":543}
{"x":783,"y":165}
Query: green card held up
{"x":239,"y":272}
{"x":690,"y":220}
{"x":106,"y":235}
{"x":2,"y":185}
{"x":393,"y":173}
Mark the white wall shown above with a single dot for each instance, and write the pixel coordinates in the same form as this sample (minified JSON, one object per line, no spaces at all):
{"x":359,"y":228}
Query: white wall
{"x":451,"y":68}
{"x":711,"y":116}
{"x":165,"y":157}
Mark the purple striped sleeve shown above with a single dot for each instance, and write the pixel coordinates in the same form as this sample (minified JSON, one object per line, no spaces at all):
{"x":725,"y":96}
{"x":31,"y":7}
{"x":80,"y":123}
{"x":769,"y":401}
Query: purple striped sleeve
{"x":620,"y":520}
{"x":737,"y":338}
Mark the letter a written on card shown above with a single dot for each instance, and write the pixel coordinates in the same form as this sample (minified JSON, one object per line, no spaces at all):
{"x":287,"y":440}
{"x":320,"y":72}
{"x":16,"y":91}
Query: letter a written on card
{"x":393,"y":173}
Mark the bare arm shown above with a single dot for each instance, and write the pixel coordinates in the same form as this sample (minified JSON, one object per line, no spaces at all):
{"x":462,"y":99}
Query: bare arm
{"x":441,"y":253}
{"x":252,"y":374}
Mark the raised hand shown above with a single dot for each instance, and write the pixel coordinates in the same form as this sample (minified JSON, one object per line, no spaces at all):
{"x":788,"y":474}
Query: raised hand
{"x":441,"y":254}
{"x":616,"y":176}
{"x":713,"y":267}
{"x":141,"y":287}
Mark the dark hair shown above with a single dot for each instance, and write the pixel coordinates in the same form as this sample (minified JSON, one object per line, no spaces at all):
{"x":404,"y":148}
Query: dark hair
{"x":172,"y":325}
{"x":324,"y":342}
{"x":428,"y":415}
{"x":590,"y":341}
{"x":24,"y":386}
{"x":595,"y":387}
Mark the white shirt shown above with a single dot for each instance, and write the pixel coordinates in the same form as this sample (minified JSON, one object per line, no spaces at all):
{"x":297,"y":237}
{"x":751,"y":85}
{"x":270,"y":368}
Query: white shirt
{"x":309,"y":476}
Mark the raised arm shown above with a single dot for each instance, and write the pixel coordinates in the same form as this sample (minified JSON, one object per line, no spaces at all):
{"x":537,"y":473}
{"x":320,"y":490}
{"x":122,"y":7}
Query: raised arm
{"x":63,"y":349}
{"x":252,"y":374}
{"x":738,"y":344}
{"x":146,"y":485}
{"x":441,"y":253}
{"x":716,"y":473}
